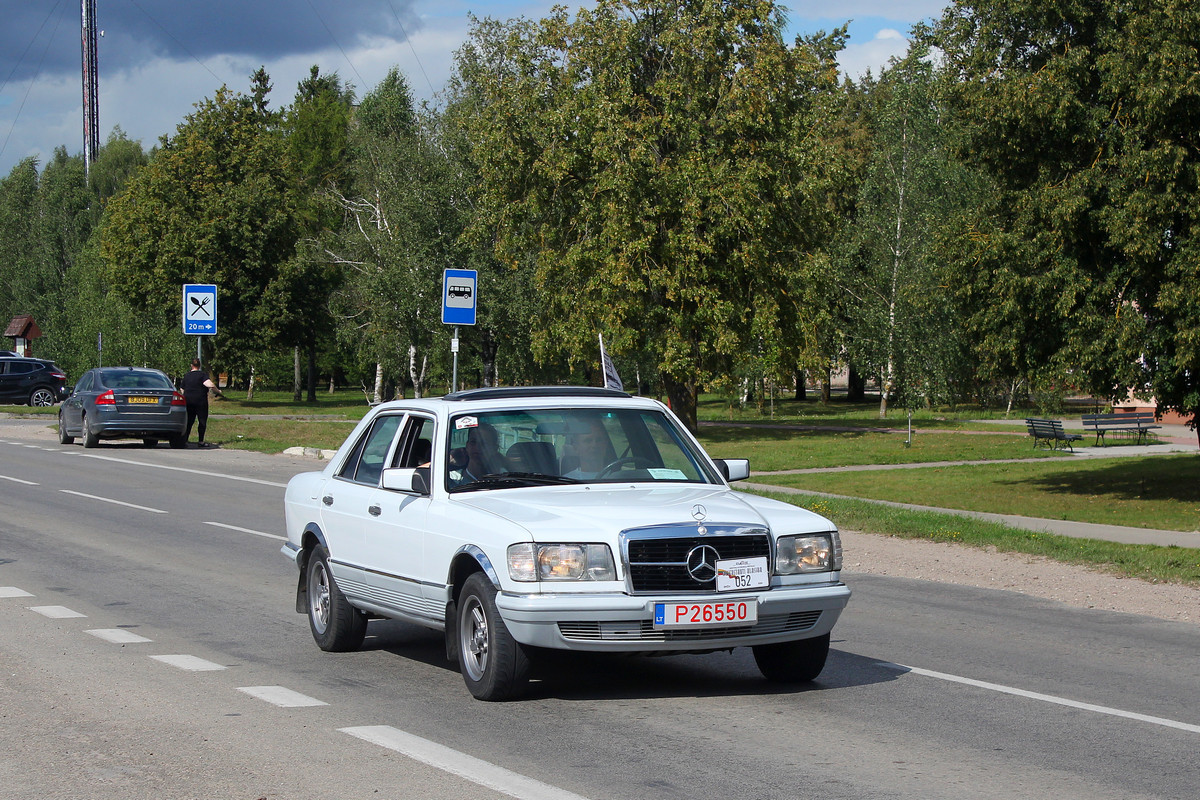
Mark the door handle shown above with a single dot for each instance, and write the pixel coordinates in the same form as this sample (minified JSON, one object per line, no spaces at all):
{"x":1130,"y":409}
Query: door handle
{"x":327,"y":499}
{"x":374,"y":510}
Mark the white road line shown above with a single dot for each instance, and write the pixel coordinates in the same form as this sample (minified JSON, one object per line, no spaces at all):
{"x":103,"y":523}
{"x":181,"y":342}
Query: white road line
{"x":56,"y":612}
{"x":118,"y":636}
{"x":184,"y":469}
{"x":13,"y":591}
{"x":18,"y":480}
{"x":247,"y":530}
{"x":472,"y":769}
{"x":281,"y":696}
{"x":114,"y":502}
{"x":189,"y":663}
{"x":1045,"y":698}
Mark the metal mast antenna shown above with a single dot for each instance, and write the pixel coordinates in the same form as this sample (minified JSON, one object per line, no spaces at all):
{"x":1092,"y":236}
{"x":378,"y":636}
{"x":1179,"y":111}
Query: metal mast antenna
{"x":91,"y":84}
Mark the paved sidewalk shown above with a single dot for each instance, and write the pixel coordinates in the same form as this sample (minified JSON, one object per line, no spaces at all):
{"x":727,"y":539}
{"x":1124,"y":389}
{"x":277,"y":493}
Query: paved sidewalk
{"x":1078,"y":530}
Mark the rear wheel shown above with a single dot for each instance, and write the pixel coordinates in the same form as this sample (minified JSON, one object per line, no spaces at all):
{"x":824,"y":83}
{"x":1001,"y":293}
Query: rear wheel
{"x":493,"y":664}
{"x":150,"y":442}
{"x":63,"y":438}
{"x":337,"y":626}
{"x":178,"y":442}
{"x":792,"y":662}
{"x":41,"y":397}
{"x":90,"y":439}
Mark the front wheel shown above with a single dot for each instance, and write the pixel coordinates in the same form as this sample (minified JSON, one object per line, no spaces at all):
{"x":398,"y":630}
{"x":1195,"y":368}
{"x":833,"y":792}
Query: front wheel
{"x":41,"y":397}
{"x":337,"y":626}
{"x":63,"y":437}
{"x":792,"y":662}
{"x":493,"y":664}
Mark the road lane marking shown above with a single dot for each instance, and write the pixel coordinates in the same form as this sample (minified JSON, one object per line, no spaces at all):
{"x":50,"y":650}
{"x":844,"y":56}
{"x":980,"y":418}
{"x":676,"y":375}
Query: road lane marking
{"x":247,"y":530}
{"x":189,"y":663}
{"x":281,"y":696}
{"x":472,"y":769}
{"x":18,"y":480}
{"x":118,"y":635}
{"x":1045,"y":698}
{"x":56,"y":612}
{"x":114,"y":502}
{"x":13,"y":591}
{"x":206,"y":473}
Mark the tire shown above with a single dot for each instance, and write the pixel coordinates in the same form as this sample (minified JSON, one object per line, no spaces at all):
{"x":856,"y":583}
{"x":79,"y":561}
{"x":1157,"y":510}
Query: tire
{"x":493,"y":664}
{"x":178,"y":442}
{"x":42,"y":397}
{"x":90,"y":439}
{"x":63,"y":437}
{"x":792,"y":662}
{"x":337,"y":626}
{"x":150,"y":442}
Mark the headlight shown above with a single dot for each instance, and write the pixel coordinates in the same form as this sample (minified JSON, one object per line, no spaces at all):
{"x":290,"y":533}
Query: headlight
{"x":529,"y":562}
{"x":819,"y":552}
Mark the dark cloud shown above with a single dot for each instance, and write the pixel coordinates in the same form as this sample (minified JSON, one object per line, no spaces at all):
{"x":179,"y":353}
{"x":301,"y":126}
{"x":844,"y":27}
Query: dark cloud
{"x":43,"y":36}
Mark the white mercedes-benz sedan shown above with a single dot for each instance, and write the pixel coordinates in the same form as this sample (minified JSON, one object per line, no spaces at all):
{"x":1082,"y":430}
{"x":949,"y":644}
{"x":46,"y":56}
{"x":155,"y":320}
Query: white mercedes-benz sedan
{"x":569,"y":518}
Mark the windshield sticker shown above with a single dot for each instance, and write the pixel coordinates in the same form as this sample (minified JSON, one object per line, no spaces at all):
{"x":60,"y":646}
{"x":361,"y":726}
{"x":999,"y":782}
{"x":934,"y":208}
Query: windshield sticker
{"x":667,"y":474}
{"x":466,"y":422}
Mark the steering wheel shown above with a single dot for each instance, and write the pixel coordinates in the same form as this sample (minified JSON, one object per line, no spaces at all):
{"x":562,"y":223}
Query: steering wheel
{"x":639,"y":463}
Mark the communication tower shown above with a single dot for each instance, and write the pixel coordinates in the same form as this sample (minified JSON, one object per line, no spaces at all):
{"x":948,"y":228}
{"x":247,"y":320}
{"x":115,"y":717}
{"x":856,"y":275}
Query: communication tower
{"x":91,"y":84}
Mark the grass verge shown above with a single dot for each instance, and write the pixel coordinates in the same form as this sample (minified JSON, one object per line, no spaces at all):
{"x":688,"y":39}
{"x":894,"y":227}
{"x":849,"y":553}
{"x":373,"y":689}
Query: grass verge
{"x":1147,"y":562}
{"x":1142,"y":492}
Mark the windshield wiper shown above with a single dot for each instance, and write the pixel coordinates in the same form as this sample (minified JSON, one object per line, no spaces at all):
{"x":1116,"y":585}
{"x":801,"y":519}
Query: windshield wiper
{"x":502,"y":480}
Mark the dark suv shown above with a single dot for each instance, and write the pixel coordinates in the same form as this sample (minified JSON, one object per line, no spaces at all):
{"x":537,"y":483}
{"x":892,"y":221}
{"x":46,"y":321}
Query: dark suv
{"x":32,"y":381}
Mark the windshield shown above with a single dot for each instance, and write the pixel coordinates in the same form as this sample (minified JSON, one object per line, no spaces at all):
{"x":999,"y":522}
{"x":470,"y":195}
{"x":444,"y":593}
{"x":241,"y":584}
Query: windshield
{"x":533,"y":447}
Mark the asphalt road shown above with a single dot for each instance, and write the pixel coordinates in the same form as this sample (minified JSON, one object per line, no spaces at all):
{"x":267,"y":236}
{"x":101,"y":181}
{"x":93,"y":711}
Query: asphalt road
{"x":149,"y":648}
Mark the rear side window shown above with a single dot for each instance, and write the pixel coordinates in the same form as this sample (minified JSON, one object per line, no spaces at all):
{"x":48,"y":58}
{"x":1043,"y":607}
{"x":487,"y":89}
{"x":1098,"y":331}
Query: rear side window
{"x":21,"y":367}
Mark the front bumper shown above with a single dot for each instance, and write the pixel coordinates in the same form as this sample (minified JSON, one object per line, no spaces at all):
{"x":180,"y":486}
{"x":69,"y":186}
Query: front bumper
{"x":619,"y":623}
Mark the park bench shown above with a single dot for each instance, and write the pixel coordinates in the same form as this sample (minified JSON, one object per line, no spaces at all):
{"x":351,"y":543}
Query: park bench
{"x":1139,"y":422}
{"x":1051,"y":432}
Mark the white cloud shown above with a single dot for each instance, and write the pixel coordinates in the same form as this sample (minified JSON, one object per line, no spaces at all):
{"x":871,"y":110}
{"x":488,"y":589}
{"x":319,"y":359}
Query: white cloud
{"x":856,"y":59}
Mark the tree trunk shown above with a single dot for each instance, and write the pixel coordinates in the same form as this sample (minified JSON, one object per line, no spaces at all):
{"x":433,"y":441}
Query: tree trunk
{"x":250,"y":388}
{"x":296,"y":379}
{"x":801,"y":389}
{"x":418,"y":378}
{"x":376,"y":396}
{"x":681,"y":396}
{"x":487,"y":354}
{"x":312,"y":373}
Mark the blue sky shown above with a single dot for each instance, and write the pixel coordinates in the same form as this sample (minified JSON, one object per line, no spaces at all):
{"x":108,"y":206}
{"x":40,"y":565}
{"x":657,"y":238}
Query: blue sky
{"x":158,"y":58}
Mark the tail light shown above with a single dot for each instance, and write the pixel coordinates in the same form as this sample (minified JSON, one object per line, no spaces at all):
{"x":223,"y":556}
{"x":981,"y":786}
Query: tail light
{"x":106,"y":399}
{"x":177,"y":399}
{"x":58,"y":374}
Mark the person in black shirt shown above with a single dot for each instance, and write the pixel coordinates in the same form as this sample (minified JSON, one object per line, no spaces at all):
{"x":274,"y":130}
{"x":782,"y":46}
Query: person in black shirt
{"x":196,"y":384}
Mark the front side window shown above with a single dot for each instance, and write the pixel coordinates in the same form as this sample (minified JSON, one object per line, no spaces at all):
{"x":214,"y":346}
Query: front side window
{"x":365,"y":463}
{"x":501,"y":449}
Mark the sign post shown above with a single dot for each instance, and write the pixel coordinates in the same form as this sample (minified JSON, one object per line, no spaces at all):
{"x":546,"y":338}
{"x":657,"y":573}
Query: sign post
{"x":199,"y":311}
{"x":459,"y":295}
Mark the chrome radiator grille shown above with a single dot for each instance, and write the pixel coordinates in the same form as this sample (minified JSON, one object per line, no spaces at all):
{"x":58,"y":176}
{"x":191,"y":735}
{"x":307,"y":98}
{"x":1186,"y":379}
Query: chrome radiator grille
{"x":657,"y":558}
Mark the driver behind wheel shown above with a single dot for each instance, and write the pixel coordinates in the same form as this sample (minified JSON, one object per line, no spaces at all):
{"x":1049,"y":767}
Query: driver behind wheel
{"x":591,"y":451}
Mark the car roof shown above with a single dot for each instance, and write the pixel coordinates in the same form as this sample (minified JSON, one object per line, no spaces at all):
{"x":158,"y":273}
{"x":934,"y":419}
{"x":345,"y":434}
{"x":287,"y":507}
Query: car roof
{"x":517,"y":397}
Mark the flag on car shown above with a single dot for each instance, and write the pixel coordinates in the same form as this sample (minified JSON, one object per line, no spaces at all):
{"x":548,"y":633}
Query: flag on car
{"x":611,"y":379}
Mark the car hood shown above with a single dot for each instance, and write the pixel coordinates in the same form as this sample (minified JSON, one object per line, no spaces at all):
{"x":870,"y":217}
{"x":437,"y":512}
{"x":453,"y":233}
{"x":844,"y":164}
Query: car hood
{"x":603,"y":511}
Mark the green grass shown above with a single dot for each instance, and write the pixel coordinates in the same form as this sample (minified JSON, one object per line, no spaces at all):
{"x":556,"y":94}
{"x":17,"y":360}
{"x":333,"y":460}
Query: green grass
{"x":1147,"y":562}
{"x":772,"y":449}
{"x":276,"y":435}
{"x":1144,"y":492}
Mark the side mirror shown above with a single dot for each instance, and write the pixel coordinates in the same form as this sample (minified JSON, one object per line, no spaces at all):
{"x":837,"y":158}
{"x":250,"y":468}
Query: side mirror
{"x":405,"y":479}
{"x":734,"y":469}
